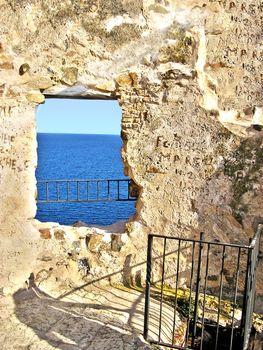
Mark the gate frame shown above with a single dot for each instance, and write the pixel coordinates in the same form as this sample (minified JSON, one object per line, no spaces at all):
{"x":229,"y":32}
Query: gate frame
{"x":249,"y":290}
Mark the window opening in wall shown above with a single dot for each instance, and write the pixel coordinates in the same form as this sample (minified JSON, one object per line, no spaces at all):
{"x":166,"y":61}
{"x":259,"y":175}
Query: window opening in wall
{"x":79,"y":143}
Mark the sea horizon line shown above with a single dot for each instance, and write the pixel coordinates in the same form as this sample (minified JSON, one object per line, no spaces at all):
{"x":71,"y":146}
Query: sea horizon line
{"x":73,"y":133}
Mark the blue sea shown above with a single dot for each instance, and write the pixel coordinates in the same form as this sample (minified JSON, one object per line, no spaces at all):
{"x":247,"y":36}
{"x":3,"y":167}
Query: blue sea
{"x":81,"y":157}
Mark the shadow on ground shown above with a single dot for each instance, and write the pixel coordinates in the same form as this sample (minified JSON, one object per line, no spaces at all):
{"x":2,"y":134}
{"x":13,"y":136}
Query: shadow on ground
{"x":68,"y":325}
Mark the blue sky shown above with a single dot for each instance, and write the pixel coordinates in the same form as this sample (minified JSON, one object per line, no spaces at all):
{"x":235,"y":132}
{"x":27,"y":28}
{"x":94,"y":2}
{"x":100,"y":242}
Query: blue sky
{"x":79,"y":117}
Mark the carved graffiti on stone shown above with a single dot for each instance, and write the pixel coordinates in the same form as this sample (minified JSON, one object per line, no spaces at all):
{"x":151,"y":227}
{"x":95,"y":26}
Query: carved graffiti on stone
{"x":6,"y":138}
{"x":8,"y":161}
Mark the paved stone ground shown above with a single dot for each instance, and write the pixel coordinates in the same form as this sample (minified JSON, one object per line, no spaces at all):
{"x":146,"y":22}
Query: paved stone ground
{"x":93,"y":317}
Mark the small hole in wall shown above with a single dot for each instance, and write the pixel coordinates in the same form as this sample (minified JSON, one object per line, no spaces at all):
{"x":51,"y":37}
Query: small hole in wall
{"x":80,"y":172}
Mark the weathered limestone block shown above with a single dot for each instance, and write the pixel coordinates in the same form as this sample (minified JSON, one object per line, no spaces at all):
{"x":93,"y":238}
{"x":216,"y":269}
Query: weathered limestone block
{"x":70,"y":75}
{"x":59,"y":234}
{"x":96,"y":242}
{"x":35,"y":97}
{"x":19,"y":240}
{"x":45,"y":233}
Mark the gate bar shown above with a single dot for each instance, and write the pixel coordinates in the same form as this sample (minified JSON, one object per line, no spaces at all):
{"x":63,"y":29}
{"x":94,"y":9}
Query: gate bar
{"x":197,"y":290}
{"x":190,"y":294}
{"x":161,"y":303}
{"x":148,"y":287}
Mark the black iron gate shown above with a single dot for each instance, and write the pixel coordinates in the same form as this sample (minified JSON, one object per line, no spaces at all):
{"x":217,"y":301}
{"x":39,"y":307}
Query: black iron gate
{"x":205,"y":292}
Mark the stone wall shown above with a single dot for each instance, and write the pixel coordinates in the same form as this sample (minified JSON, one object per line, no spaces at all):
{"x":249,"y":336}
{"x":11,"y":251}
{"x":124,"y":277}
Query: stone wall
{"x":188,"y":77}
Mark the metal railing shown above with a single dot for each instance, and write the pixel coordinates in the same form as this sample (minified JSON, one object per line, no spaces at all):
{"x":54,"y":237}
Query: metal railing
{"x":214,"y":308}
{"x":59,"y":191}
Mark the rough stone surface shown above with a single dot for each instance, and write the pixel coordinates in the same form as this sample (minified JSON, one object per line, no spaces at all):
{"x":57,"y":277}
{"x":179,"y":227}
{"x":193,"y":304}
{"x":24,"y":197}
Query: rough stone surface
{"x":188,"y":77}
{"x":92,"y":317}
{"x":45,"y":233}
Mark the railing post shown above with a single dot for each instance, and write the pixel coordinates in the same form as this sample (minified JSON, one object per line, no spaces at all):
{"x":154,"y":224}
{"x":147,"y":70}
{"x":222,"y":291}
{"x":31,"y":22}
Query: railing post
{"x":246,"y":301}
{"x":77,"y":191}
{"x":148,"y":286}
{"x":250,"y":288}
{"x":98,"y":190}
{"x":197,"y":289}
{"x":46,"y":191}
{"x":108,"y":189}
